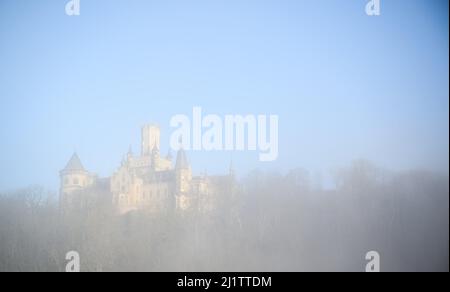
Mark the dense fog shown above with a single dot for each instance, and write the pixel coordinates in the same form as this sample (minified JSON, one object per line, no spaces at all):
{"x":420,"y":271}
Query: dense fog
{"x":269,"y":222}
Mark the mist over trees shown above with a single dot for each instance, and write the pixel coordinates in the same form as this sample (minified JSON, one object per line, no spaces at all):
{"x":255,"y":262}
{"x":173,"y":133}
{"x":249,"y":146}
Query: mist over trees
{"x":270,"y":222}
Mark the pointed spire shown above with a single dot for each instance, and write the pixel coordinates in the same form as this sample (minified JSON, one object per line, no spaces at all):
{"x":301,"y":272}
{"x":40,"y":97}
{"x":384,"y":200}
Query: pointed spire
{"x":74,"y":164}
{"x":182,"y":161}
{"x":155,"y":150}
{"x":169,"y":155}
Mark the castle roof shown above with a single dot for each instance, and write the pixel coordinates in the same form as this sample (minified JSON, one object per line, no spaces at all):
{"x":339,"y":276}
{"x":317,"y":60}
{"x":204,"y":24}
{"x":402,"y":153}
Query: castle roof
{"x":182,"y":161}
{"x":74,"y":164}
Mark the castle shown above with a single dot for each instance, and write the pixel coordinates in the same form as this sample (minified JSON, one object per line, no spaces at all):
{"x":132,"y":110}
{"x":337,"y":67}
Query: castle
{"x":147,"y":182}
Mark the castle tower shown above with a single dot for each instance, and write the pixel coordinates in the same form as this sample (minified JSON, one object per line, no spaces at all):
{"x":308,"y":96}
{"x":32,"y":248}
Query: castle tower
{"x":183,"y":175}
{"x":151,"y":136}
{"x":183,"y":172}
{"x":155,"y":157}
{"x":73,"y":178}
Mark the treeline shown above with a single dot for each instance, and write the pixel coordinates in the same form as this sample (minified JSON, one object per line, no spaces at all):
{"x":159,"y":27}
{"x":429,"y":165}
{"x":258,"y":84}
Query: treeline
{"x":270,"y":222}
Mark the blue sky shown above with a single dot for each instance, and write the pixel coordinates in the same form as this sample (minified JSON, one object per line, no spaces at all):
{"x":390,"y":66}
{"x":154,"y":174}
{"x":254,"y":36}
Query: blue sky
{"x":344,"y":85}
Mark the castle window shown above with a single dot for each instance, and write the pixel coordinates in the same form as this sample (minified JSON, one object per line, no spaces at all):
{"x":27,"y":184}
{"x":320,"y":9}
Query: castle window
{"x":76,"y":181}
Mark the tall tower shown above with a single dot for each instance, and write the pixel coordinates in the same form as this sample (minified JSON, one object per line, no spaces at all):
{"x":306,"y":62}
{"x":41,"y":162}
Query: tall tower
{"x":73,"y":178}
{"x":183,"y":176}
{"x":183,"y":172}
{"x":151,"y":136}
{"x":155,"y":158}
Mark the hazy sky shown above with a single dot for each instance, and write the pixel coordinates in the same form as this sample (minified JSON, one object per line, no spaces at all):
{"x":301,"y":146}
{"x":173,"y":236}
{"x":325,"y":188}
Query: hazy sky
{"x":345,"y":85}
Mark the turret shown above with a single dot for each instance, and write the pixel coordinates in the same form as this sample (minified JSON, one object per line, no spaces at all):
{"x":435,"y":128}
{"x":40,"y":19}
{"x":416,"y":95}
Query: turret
{"x":169,"y":155}
{"x":183,"y":172}
{"x":130,"y":153}
{"x":73,"y":178}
